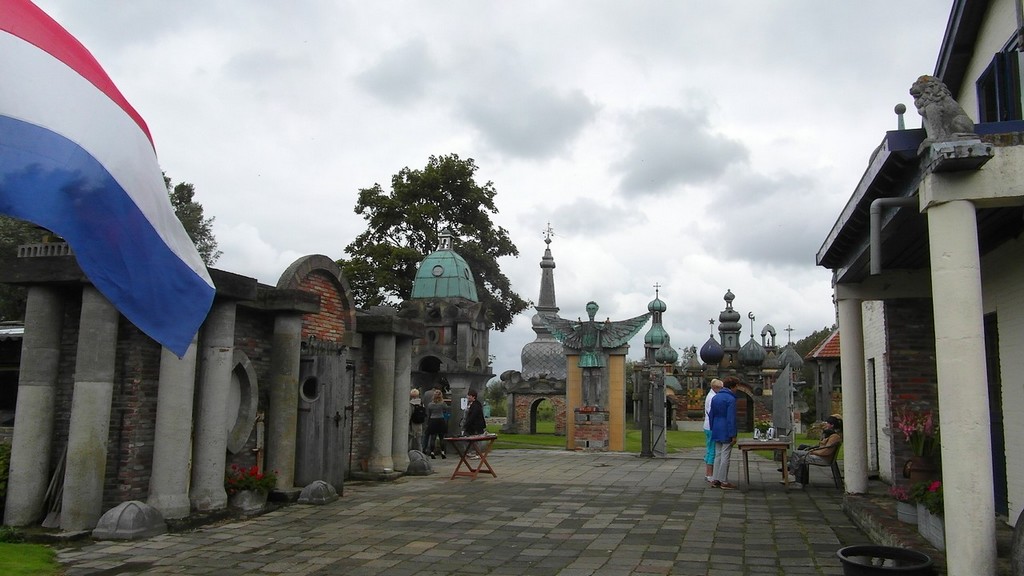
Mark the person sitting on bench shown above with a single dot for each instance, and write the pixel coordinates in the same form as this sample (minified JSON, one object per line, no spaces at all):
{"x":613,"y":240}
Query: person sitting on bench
{"x":831,"y":438}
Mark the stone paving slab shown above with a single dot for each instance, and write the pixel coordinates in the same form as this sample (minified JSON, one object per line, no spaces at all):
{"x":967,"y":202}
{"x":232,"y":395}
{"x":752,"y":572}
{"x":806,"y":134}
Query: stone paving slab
{"x":547,"y":513}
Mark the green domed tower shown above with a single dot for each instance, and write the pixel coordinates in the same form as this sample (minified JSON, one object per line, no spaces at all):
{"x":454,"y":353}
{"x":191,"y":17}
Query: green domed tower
{"x":444,"y":274}
{"x":453,"y":351}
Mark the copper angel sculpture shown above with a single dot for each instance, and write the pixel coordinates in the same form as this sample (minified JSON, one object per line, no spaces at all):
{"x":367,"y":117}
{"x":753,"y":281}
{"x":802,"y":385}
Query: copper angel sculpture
{"x":592,"y":339}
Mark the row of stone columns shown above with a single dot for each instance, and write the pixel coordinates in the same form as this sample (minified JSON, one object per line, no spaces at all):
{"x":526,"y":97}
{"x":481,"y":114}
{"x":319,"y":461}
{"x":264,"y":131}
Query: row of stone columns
{"x":186,"y":474}
{"x":956,"y":290}
{"x":188,"y":464}
{"x":392,"y":359}
{"x":32,"y":449}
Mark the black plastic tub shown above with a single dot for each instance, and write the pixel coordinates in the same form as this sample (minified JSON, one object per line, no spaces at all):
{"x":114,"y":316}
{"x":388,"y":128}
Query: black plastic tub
{"x":870,"y":560}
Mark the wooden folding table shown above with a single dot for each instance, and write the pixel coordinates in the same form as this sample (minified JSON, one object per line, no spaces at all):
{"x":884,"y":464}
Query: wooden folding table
{"x":483,"y":444}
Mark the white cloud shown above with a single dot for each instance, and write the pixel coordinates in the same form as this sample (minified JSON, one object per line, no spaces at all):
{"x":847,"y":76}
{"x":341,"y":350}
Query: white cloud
{"x":700,"y":146}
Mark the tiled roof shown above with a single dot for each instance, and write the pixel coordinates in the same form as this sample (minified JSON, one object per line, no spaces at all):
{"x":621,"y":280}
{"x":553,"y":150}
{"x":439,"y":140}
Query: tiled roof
{"x":829,"y":348}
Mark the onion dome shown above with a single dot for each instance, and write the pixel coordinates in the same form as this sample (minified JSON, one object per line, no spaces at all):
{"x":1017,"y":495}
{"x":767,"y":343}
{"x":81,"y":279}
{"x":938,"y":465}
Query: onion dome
{"x":752,"y":354}
{"x":655,"y":337}
{"x":729,"y":319}
{"x":790,"y":357}
{"x":444,"y":274}
{"x":657,"y":305}
{"x":673,"y":383}
{"x":712,"y":352}
{"x":666,"y":354}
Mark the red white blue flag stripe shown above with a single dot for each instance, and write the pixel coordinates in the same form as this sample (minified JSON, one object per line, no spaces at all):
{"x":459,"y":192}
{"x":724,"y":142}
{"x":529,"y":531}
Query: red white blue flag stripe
{"x":77,"y":159}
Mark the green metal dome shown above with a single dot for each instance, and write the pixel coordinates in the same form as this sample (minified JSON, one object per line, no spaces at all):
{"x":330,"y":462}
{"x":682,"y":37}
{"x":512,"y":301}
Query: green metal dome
{"x":444,"y":274}
{"x":656,"y":336}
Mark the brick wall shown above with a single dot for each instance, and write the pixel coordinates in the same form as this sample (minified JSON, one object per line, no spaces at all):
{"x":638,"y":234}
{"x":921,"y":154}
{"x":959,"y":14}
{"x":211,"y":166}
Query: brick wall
{"x":134,"y":403}
{"x":524,"y":405}
{"x":329,"y":323}
{"x":362,"y":413}
{"x":132,"y":417}
{"x":912,"y":381}
{"x":253,"y":333}
{"x":591,"y":430}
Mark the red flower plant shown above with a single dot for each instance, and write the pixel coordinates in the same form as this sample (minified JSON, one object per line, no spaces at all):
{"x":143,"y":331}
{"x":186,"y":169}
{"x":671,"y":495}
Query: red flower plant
{"x":240,"y":478}
{"x":919,"y":429}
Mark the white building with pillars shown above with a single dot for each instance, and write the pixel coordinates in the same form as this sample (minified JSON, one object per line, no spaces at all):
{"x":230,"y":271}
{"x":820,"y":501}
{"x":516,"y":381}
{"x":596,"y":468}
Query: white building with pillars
{"x":926,"y":261}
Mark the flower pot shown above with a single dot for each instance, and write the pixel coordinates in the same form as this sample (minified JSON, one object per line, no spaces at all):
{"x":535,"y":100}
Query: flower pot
{"x":869,"y":560}
{"x":248,"y":501}
{"x":920,"y":469}
{"x":932,"y":527}
{"x":906,"y":512}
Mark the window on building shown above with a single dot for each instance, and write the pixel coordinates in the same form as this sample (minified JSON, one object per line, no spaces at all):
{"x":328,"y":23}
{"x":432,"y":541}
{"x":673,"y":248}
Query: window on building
{"x":999,"y":89}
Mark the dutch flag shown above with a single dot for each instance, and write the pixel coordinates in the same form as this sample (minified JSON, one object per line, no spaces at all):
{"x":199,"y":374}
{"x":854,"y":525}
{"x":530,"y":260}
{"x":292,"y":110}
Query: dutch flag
{"x":77,"y":159}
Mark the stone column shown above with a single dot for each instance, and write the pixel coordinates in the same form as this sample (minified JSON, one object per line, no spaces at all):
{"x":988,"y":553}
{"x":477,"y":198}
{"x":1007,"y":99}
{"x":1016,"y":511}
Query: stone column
{"x":282,"y":413}
{"x":403,"y":384}
{"x":211,"y":439}
{"x":383,"y":401}
{"x":31,"y":451}
{"x":963,"y":388}
{"x":89,"y":428}
{"x":172,"y":448}
{"x":855,"y":397}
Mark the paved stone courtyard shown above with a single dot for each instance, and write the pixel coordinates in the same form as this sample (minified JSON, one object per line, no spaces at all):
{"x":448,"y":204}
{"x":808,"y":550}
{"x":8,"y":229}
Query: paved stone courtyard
{"x":547,"y":513}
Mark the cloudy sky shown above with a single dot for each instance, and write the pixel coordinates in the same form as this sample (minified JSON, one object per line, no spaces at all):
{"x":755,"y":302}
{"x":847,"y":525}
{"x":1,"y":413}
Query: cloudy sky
{"x":701,"y":146}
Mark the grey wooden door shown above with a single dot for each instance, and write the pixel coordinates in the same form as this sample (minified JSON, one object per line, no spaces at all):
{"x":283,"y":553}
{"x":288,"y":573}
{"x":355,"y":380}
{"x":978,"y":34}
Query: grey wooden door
{"x":324,"y":423}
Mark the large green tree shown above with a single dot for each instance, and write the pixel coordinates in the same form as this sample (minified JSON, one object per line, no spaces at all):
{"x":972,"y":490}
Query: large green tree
{"x":403,"y":226}
{"x":190,"y":212}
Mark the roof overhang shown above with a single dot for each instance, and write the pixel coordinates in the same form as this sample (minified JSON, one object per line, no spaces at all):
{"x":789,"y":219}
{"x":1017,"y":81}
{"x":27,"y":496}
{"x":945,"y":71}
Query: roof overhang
{"x":959,"y":41}
{"x":897,"y":171}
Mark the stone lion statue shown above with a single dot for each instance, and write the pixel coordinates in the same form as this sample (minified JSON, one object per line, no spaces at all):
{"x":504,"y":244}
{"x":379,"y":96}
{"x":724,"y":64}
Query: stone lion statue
{"x":944,"y":119}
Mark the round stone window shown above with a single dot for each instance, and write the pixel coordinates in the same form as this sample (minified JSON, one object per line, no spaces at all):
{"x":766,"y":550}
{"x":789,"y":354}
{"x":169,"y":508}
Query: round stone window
{"x":437,"y":270}
{"x":310,"y":389}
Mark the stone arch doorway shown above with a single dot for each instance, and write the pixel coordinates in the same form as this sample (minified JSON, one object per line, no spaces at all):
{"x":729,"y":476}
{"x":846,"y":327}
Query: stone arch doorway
{"x":744,"y":408}
{"x":526,"y":407}
{"x":542,"y":410}
{"x":430,"y":374}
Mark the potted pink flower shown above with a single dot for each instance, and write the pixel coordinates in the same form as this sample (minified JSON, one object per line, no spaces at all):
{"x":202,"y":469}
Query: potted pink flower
{"x":921,"y":431}
{"x":906,"y":510}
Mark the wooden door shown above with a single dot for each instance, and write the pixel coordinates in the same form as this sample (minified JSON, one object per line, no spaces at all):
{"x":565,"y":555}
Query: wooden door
{"x":324,"y":422}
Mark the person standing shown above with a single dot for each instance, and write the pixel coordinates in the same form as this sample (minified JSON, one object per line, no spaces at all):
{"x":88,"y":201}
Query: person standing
{"x":722,"y":419}
{"x":437,"y":424}
{"x":473,"y":424}
{"x":709,"y":453}
{"x":417,"y":417}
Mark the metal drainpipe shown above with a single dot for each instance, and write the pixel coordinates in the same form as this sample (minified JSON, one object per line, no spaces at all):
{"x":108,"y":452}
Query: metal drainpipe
{"x":876,"y":226}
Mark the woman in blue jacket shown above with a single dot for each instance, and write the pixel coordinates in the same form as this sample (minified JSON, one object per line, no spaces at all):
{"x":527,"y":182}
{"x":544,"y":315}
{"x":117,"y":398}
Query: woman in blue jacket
{"x":723,"y":432}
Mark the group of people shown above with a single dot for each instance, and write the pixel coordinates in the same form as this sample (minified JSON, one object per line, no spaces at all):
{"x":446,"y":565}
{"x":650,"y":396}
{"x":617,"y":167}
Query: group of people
{"x":434,"y":418}
{"x":720,"y":432}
